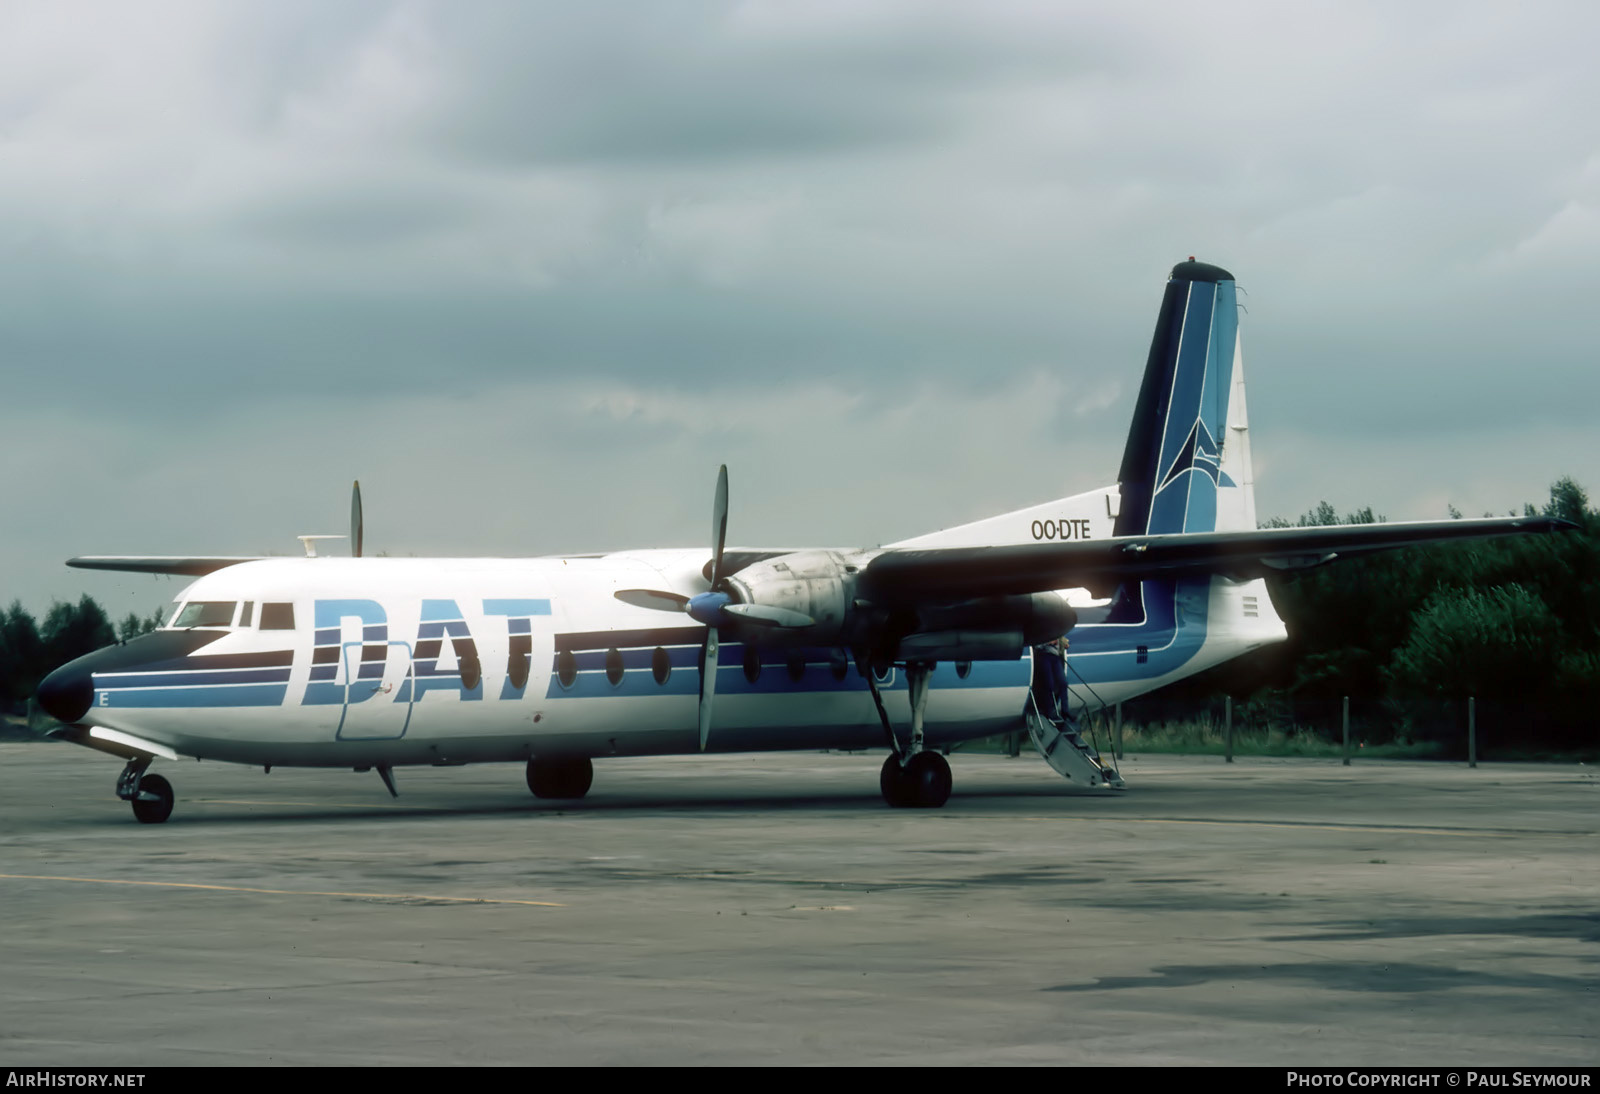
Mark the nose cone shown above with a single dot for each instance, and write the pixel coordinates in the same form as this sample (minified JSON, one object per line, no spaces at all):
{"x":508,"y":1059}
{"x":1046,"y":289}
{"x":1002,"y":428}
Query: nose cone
{"x":67,"y":693}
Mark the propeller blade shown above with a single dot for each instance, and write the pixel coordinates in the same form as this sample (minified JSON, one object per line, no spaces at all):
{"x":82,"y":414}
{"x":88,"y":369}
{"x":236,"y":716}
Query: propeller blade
{"x":355,"y":520}
{"x":653,"y":599}
{"x":719,"y":524}
{"x":708,"y":683}
{"x":708,"y":605}
{"x":763,"y":615}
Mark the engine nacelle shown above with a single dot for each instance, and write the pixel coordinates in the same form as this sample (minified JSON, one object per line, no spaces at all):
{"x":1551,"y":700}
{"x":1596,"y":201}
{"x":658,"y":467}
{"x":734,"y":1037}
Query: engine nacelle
{"x":961,"y":645}
{"x":1035,"y":617}
{"x":820,"y":584}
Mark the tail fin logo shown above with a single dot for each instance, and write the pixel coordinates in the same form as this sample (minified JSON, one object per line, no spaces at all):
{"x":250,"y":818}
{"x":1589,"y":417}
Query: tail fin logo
{"x":1199,"y":452}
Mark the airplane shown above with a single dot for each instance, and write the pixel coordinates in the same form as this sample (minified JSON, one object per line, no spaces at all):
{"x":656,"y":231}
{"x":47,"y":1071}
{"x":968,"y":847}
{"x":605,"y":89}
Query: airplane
{"x":376,"y":663}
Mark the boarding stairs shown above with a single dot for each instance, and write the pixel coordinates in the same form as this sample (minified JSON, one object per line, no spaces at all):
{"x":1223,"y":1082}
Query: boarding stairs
{"x":1065,"y":749}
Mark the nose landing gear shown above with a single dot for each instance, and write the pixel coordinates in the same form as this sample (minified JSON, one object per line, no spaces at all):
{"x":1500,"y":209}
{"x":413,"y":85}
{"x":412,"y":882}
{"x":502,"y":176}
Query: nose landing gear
{"x":150,"y":795}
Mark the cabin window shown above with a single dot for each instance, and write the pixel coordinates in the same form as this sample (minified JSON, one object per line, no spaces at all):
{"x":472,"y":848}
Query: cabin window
{"x":467,"y":663}
{"x":277,"y":617}
{"x":660,"y":665}
{"x":614,"y":666}
{"x":245,"y":612}
{"x":752,"y":664}
{"x":566,"y":668}
{"x":519,"y":661}
{"x":206,"y":613}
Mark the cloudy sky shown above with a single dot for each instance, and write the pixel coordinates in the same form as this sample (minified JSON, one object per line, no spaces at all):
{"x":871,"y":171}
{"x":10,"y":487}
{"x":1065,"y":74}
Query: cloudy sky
{"x":531,"y":271}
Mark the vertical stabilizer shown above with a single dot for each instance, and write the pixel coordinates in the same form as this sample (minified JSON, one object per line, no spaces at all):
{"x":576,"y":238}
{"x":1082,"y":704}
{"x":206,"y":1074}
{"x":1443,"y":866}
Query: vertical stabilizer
{"x":1186,"y":467}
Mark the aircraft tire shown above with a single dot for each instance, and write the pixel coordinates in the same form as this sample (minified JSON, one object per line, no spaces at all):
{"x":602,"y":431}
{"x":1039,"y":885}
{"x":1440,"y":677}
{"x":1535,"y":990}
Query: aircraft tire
{"x":560,"y":778}
{"x":158,"y":810}
{"x":892,"y":782}
{"x":926,"y":780}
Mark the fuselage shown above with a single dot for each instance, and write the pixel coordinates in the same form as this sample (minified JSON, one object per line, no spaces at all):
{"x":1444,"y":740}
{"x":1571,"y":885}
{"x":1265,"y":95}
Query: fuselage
{"x":390,"y":661}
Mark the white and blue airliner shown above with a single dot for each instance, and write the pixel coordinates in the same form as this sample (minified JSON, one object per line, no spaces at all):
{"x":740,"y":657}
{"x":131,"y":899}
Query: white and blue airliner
{"x":914,"y":647}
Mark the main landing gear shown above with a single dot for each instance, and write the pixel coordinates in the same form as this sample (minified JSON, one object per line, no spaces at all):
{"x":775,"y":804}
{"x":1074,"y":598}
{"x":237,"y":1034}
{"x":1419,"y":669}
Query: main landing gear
{"x":150,"y":795}
{"x":921,"y":782}
{"x":567,"y":778}
{"x":912,"y":777}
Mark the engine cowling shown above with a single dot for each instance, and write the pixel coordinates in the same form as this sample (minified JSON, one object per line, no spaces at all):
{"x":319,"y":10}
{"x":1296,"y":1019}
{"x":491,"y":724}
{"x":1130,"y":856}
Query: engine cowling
{"x":820,"y":584}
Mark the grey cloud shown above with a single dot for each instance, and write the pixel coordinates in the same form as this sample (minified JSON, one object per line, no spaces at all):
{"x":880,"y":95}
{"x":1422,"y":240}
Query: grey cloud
{"x":719,"y":81}
{"x":396,"y":212}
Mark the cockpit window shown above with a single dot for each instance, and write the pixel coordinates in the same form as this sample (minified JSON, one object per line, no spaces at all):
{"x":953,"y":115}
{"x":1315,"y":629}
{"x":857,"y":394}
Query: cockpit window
{"x":277,"y":617}
{"x":206,"y":613}
{"x":244,"y":613}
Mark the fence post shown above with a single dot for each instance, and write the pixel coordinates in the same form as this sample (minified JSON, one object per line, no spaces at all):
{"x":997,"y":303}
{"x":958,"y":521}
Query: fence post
{"x":1347,"y":731}
{"x":1472,"y":731}
{"x":1117,"y":747}
{"x":1227,"y":728}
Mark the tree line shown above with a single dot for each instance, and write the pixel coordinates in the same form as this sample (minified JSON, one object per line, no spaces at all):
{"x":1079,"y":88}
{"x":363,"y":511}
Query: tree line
{"x":30,"y":649}
{"x":1410,"y":635}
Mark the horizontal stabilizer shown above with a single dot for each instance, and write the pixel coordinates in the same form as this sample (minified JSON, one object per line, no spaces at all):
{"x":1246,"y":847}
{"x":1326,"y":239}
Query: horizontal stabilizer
{"x":159,"y":564}
{"x":1103,"y":564}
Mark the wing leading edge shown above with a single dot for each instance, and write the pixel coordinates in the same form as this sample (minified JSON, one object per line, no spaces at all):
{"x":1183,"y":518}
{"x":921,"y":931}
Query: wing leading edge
{"x":192,"y":566}
{"x":1100,"y":565}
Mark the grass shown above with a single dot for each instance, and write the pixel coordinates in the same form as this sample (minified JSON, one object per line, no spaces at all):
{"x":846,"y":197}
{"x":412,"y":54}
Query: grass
{"x":1201,"y":737}
{"x":1204,"y":737}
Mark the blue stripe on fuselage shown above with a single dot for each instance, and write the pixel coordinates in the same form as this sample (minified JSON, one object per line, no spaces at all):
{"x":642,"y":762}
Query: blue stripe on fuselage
{"x":128,"y":680}
{"x":773,"y":679}
{"x":1172,"y":631}
{"x":237,"y":695}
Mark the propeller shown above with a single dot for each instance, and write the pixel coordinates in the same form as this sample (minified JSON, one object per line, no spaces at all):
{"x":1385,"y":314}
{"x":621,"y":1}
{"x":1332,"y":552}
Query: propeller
{"x":765,"y":615}
{"x":656,"y":601}
{"x":710,"y":607}
{"x":716,"y":607}
{"x":707,"y":606}
{"x":355,"y":520}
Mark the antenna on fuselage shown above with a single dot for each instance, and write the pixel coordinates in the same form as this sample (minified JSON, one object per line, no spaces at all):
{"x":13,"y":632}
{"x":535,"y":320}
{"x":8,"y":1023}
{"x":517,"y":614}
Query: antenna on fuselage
{"x":310,"y":543}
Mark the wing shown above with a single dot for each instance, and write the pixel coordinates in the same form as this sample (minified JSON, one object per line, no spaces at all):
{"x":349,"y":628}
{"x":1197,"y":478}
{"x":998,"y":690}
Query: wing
{"x":1102,"y":564}
{"x":160,"y":564}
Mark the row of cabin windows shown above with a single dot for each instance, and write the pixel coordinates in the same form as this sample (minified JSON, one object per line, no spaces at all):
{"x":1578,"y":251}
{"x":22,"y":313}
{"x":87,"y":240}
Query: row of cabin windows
{"x":222,"y":613}
{"x":661,"y":667}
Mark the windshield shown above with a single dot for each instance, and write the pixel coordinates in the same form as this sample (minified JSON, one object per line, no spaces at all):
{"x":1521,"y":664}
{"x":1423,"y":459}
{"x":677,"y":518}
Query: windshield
{"x":205,"y":613}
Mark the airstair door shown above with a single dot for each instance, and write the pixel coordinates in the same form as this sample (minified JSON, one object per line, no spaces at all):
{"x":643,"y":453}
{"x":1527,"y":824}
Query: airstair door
{"x":378,"y":691}
{"x":1067,"y":753}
